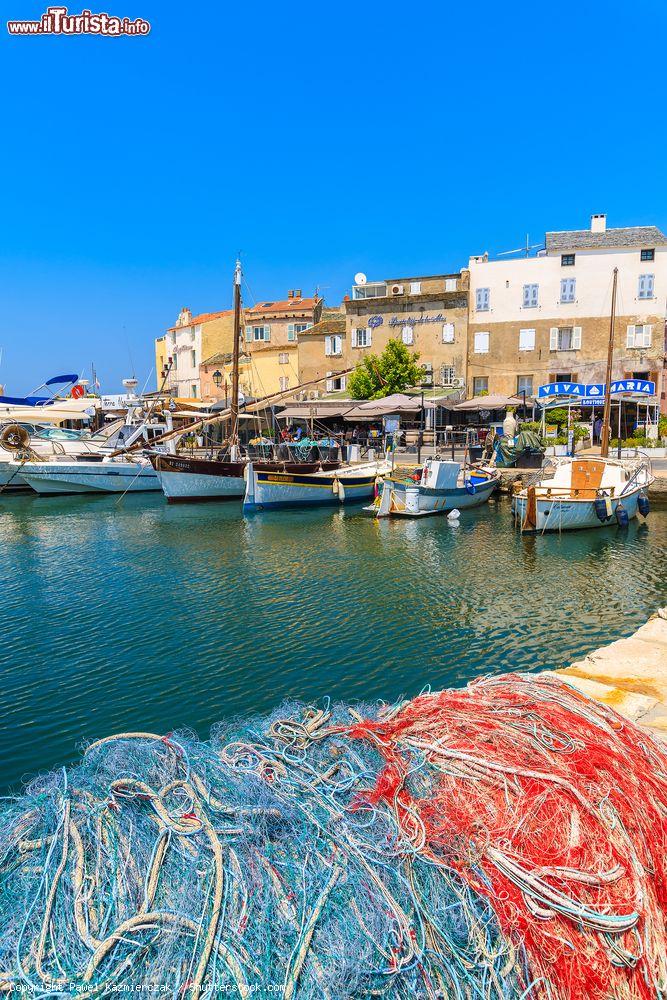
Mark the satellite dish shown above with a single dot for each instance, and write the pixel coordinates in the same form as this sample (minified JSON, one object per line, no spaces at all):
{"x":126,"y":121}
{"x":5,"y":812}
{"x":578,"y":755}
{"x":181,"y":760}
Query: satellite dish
{"x":360,"y":278}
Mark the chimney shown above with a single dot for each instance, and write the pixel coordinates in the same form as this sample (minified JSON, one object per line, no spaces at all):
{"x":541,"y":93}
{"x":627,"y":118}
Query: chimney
{"x":598,"y":223}
{"x":290,"y":294}
{"x":297,"y":293}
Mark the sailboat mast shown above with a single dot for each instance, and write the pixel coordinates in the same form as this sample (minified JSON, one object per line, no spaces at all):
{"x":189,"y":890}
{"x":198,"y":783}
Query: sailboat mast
{"x":234,"y":406}
{"x":606,"y":417}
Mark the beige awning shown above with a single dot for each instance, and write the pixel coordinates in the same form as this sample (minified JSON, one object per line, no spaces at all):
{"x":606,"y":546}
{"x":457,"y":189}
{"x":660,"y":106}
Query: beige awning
{"x":496,"y":402}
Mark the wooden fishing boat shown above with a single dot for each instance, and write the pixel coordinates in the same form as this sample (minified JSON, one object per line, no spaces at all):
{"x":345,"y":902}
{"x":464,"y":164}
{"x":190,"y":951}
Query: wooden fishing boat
{"x":267,"y":490}
{"x":436,"y":488}
{"x":186,"y":478}
{"x":581,"y":492}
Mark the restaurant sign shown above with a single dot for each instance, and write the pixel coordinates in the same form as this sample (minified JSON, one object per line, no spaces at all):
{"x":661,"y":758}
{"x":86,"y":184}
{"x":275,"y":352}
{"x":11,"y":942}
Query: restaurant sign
{"x":415,"y":321}
{"x":591,"y":392}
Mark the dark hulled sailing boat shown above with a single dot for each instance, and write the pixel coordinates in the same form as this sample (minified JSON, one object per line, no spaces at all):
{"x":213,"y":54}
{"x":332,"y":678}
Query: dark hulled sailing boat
{"x":189,"y":478}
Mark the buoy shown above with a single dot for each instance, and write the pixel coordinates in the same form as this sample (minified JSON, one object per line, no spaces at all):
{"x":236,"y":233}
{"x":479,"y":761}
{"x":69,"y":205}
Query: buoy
{"x":622,"y":516}
{"x":471,"y":488}
{"x":643,"y":505}
{"x":454,"y":515}
{"x":601,"y":508}
{"x":77,"y":391}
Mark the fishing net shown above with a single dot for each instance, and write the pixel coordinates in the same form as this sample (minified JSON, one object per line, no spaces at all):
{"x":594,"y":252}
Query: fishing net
{"x":506,"y":840}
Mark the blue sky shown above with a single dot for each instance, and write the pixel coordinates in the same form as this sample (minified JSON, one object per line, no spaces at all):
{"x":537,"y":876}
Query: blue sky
{"x":318,"y":139}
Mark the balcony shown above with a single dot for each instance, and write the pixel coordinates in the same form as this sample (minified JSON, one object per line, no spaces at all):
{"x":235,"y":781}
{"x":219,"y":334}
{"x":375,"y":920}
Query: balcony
{"x":374,"y":291}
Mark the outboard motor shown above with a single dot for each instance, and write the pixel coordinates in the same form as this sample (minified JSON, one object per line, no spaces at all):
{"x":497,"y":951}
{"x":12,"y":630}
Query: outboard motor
{"x":601,"y":509}
{"x":643,"y":505}
{"x":622,"y":518}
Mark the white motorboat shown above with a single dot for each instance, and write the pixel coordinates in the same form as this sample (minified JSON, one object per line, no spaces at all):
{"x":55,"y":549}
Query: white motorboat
{"x":271,"y":490}
{"x":583,"y":492}
{"x":90,"y":475}
{"x":436,"y":488}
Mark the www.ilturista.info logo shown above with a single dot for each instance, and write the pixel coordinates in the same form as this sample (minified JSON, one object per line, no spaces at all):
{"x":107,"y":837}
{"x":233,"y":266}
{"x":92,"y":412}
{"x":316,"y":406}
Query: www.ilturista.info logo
{"x":57,"y":21}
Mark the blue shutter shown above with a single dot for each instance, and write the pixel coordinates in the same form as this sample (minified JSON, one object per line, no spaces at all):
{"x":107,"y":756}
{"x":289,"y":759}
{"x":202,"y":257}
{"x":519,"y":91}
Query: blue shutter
{"x":649,"y":286}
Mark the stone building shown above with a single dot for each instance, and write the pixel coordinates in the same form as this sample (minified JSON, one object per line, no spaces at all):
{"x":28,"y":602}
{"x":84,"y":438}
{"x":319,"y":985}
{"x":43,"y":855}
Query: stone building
{"x":272,"y":330}
{"x":428,"y":313}
{"x":546,"y":318}
{"x":313,"y":361}
{"x":189,"y":343}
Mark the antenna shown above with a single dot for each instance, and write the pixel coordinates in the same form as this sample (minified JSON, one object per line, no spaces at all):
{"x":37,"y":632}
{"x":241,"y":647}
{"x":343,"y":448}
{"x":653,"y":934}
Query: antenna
{"x":525,"y":250}
{"x":360,"y":278}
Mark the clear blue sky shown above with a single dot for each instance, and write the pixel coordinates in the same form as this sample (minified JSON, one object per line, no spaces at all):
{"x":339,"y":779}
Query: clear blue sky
{"x":319,"y":139}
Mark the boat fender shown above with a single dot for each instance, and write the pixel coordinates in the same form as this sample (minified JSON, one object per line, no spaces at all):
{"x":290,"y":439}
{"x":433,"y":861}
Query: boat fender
{"x":643,"y":505}
{"x":335,"y":486}
{"x":471,"y":488}
{"x":376,"y":485}
{"x":341,"y":493}
{"x":454,"y":515}
{"x":622,"y":516}
{"x":601,"y":508}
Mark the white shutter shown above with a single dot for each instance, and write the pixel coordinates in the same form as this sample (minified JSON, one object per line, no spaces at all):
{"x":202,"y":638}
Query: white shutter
{"x":407,"y":335}
{"x":267,"y":333}
{"x":327,"y":347}
{"x":369,"y":336}
{"x":290,"y":331}
{"x":527,"y":340}
{"x":448,"y":333}
{"x":553,"y":338}
{"x":248,"y":333}
{"x":354,"y":338}
{"x":648,"y":335}
{"x":630,"y":342}
{"x":343,"y":383}
{"x":329,"y":382}
{"x":576,"y":338}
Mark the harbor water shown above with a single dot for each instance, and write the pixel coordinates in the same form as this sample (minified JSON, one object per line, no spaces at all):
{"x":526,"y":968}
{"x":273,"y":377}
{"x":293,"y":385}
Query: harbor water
{"x":137,"y":615}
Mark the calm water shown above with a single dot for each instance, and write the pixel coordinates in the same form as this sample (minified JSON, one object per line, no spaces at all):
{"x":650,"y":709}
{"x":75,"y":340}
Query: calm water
{"x":141,"y":615}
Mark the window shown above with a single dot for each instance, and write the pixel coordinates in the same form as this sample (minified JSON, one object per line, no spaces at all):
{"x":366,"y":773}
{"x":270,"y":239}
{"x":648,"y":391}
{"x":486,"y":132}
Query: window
{"x":283,"y":381}
{"x":647,"y":255}
{"x":283,"y":358}
{"x":482,"y":299}
{"x":376,"y":291}
{"x":408,"y":335}
{"x":336,"y":383}
{"x":524,"y":383}
{"x":362,"y":337}
{"x":639,"y":336}
{"x":646,"y":286}
{"x":450,"y":284}
{"x":526,"y":340}
{"x":448,"y":333}
{"x":481,"y":343}
{"x":258,"y":333}
{"x":415,"y":287}
{"x":530,"y":296}
{"x":480,"y":384}
{"x":447,"y":375}
{"x":567,"y":260}
{"x":333,"y":345}
{"x":568,"y":288}
{"x":193,"y":391}
{"x":562,"y":377}
{"x":294,"y":329}
{"x":565,"y":338}
{"x":193,"y":358}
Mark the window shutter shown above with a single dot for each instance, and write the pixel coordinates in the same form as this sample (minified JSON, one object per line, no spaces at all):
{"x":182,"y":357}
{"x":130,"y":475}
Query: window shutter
{"x":648,"y":335}
{"x":369,"y":336}
{"x":354,"y":338}
{"x":630,"y":342}
{"x":290,"y":332}
{"x":485,"y":297}
{"x":329,"y":385}
{"x":576,"y":338}
{"x":343,"y":383}
{"x":448,"y":333}
{"x":553,"y":338}
{"x":649,"y":283}
{"x":248,"y":333}
{"x":267,"y":333}
{"x":327,"y":346}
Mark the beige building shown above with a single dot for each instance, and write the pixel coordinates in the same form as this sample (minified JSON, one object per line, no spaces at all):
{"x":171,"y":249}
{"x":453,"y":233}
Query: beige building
{"x":546,"y":318}
{"x":272,"y":330}
{"x":189,"y":343}
{"x":429,"y":314}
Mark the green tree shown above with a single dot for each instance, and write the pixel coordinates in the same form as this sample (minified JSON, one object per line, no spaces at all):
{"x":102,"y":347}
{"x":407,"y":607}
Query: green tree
{"x":392,"y":371}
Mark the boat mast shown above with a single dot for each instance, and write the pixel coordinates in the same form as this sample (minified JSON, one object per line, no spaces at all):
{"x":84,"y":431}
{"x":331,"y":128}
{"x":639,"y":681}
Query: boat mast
{"x":234,"y":407}
{"x":606,"y":417}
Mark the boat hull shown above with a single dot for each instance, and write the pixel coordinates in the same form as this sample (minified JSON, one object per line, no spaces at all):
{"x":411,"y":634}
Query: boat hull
{"x":392,"y":502}
{"x":11,"y":480}
{"x":268,"y":490}
{"x":188,"y":480}
{"x":51,"y":479}
{"x":571,"y":515}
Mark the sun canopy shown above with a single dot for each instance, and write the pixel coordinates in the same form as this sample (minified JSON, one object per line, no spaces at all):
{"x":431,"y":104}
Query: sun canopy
{"x":496,"y":402}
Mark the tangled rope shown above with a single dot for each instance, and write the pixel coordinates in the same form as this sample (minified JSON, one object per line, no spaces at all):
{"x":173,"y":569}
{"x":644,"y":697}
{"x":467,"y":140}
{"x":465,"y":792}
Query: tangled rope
{"x":506,"y":840}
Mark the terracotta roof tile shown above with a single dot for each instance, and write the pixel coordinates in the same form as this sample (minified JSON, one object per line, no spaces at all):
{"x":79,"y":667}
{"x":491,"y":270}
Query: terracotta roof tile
{"x":203,"y":318}
{"x":284,"y":305}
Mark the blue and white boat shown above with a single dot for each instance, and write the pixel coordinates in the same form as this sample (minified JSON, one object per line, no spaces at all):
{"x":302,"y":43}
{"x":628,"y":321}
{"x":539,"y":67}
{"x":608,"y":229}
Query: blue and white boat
{"x":583,"y":492}
{"x":272,"y":490}
{"x":438,"y":487}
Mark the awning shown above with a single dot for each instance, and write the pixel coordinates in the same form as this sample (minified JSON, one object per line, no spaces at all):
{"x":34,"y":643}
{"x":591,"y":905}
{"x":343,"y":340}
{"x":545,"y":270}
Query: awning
{"x":496,"y":402}
{"x":315,"y":412}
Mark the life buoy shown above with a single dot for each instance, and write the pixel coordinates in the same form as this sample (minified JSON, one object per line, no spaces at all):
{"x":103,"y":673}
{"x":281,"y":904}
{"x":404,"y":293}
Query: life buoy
{"x":77,"y":391}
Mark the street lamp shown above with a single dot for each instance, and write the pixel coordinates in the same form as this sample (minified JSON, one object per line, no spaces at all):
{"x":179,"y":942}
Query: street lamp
{"x":217,"y":378}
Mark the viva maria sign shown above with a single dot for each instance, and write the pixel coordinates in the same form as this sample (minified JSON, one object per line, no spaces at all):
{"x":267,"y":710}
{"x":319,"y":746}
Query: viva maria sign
{"x":590,"y":393}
